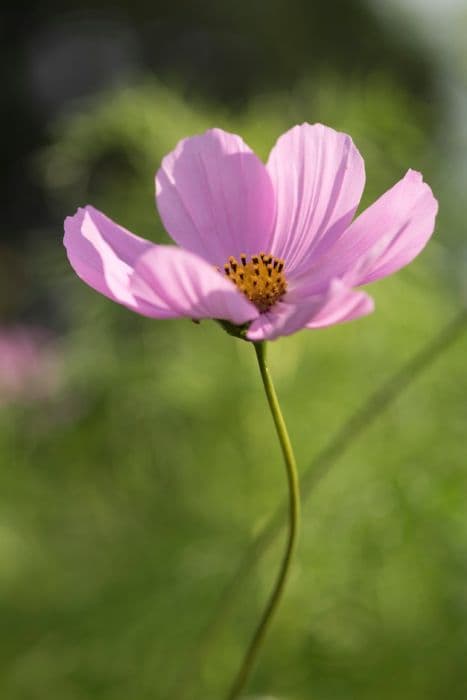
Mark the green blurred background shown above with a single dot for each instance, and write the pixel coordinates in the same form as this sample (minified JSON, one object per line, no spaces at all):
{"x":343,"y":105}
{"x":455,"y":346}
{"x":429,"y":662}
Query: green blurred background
{"x":138,"y":462}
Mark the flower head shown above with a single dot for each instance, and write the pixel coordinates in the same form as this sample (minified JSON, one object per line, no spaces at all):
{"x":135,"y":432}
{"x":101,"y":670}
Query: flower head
{"x":272,"y":248}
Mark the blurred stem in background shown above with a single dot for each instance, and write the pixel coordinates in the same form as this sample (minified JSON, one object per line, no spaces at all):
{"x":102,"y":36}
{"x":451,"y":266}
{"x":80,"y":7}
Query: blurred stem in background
{"x":361,"y":420}
{"x":294,"y":518}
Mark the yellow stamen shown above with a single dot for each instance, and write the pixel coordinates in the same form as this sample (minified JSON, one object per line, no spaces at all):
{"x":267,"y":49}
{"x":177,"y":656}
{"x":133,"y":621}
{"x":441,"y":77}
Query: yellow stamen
{"x":262,"y":279}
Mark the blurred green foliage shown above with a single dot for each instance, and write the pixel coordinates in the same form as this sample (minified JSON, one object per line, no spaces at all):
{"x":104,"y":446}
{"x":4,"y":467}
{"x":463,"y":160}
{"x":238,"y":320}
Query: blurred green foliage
{"x":137,"y":488}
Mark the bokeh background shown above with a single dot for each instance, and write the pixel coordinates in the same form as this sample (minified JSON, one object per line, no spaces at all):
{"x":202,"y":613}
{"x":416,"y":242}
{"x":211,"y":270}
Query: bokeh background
{"x":137,"y":461}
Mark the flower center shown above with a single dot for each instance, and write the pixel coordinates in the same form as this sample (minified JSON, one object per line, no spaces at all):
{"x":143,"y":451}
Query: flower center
{"x":261,"y":279}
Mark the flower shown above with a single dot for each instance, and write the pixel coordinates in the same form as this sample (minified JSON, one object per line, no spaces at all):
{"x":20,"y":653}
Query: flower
{"x":271,"y":248}
{"x":29,"y":364}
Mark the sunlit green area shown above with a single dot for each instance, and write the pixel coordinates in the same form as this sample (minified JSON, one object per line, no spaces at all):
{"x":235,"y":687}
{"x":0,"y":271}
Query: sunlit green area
{"x":130,"y":495}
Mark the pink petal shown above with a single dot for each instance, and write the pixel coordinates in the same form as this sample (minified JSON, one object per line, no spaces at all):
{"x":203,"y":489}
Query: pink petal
{"x":103,"y":253}
{"x":384,"y":238}
{"x":284,"y":319}
{"x":183,"y":284}
{"x":344,"y":305}
{"x":215,"y":197}
{"x":405,"y":217}
{"x":318,"y":177}
{"x":337,"y":305}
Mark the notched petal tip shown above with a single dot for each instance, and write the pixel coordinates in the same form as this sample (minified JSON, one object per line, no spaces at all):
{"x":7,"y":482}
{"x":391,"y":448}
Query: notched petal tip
{"x":413,"y":175}
{"x":72,"y":222}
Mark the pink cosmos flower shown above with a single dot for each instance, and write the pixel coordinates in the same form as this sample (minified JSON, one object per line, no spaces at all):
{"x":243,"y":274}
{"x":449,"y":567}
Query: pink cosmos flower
{"x":271,"y":248}
{"x":29,"y":365}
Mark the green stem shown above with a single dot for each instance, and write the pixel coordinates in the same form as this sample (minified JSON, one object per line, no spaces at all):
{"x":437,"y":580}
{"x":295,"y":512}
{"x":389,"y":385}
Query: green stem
{"x":294,"y":518}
